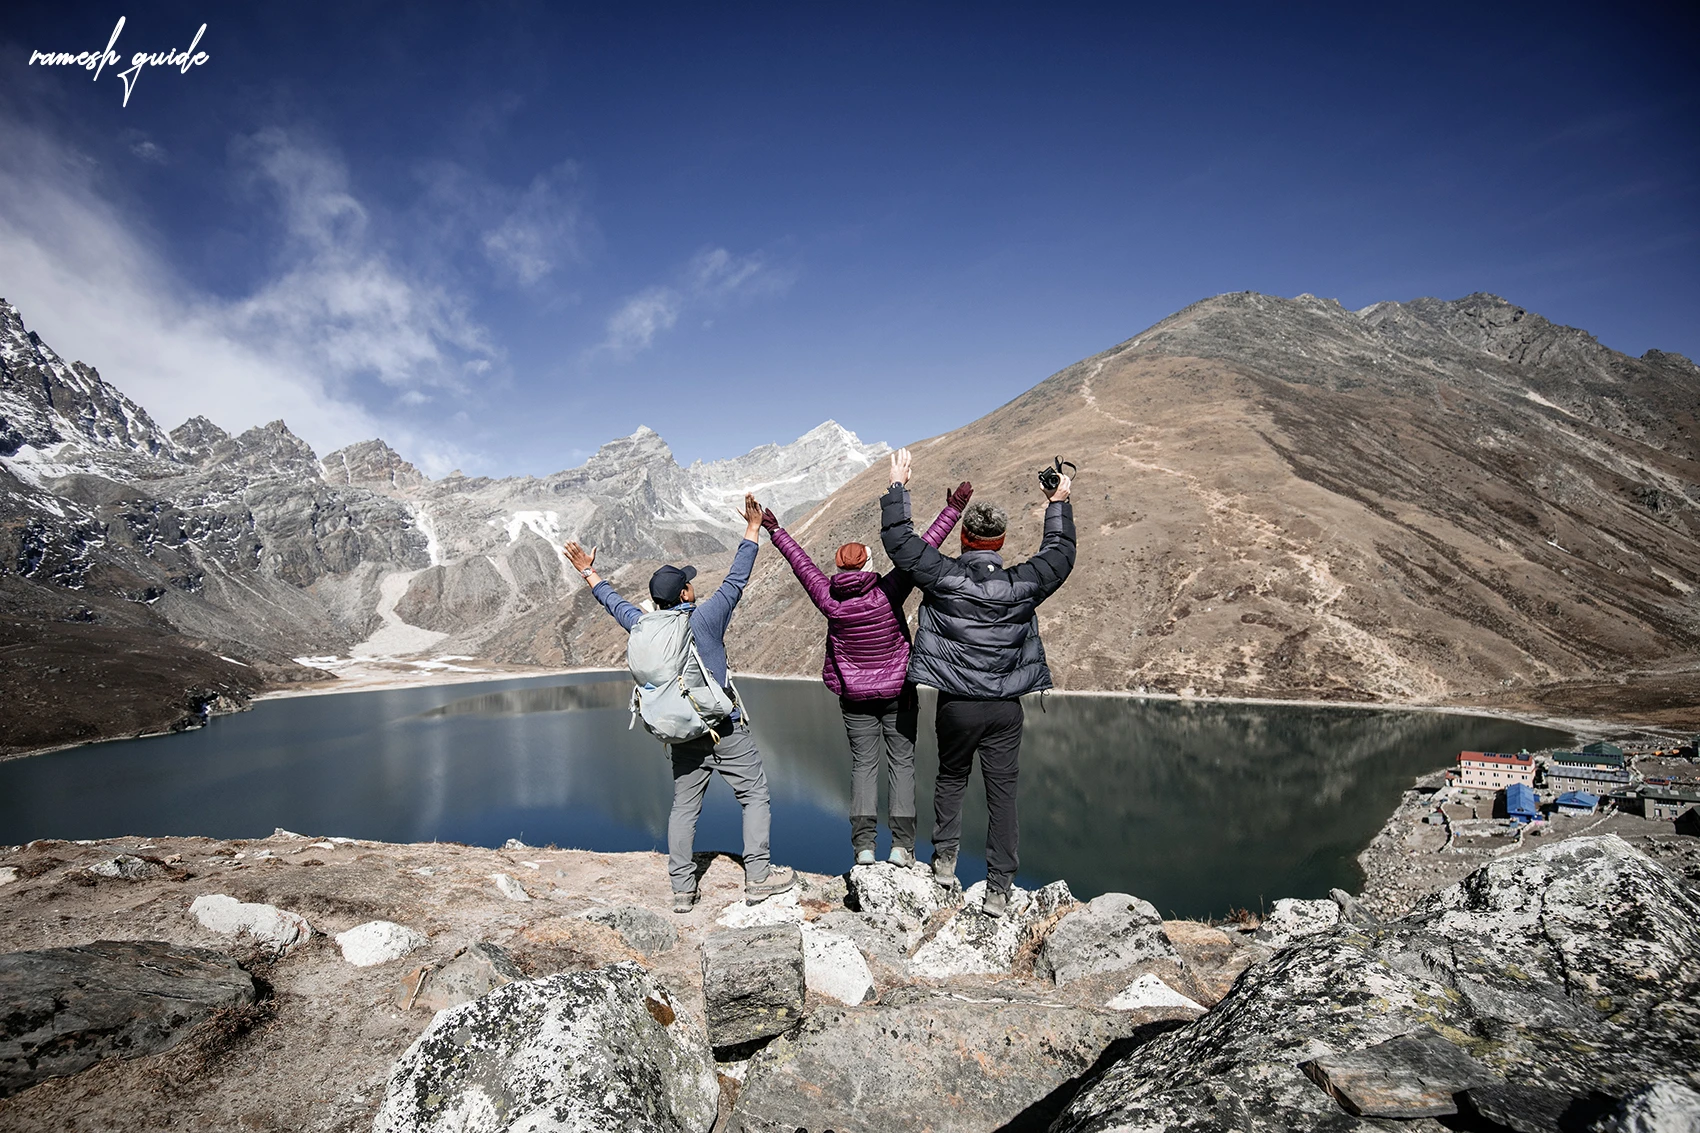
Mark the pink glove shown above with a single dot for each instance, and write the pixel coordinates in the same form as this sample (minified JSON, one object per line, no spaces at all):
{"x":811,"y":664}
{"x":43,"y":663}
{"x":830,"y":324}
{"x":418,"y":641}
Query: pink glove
{"x":960,"y":497}
{"x":768,"y":521}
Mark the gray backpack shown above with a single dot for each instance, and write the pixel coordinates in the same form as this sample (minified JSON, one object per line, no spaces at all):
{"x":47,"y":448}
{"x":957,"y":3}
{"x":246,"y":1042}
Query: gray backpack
{"x":675,"y":697}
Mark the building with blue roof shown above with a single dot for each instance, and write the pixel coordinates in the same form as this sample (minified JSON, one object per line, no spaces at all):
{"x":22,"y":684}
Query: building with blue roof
{"x":1578,"y":802}
{"x":1521,"y":804}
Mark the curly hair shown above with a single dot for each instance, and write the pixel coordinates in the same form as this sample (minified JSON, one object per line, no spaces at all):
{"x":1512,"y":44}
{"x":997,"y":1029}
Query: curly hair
{"x":984,"y":520}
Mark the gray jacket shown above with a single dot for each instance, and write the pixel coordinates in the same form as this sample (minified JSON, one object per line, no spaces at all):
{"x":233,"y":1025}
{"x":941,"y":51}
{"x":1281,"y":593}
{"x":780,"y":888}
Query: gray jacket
{"x":978,"y":631}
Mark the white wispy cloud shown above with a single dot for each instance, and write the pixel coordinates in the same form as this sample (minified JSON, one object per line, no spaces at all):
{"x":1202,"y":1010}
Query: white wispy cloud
{"x":713,"y":278}
{"x":542,"y":230}
{"x":641,"y":317}
{"x":97,"y":287}
{"x":525,"y":235}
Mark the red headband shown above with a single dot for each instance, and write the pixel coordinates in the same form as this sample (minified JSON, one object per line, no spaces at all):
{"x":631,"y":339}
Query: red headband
{"x":981,"y":542}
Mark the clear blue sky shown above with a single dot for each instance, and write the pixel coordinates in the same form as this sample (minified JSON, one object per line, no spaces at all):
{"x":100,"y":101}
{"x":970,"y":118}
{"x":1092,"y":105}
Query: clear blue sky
{"x":501,"y":236}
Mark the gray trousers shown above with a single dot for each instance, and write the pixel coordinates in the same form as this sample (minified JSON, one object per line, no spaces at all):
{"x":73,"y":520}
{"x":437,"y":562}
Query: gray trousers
{"x":739,"y":763}
{"x":873,"y":727}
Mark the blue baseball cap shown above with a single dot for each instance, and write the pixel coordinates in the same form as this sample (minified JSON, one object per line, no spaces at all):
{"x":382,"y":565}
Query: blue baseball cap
{"x":666,"y":584}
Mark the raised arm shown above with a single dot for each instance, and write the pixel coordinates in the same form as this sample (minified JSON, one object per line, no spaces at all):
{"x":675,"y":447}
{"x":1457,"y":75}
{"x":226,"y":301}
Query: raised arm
{"x":910,"y":553}
{"x":1049,"y":568}
{"x":814,"y":580}
{"x":953,"y":505}
{"x":717,"y":609}
{"x":583,"y":562}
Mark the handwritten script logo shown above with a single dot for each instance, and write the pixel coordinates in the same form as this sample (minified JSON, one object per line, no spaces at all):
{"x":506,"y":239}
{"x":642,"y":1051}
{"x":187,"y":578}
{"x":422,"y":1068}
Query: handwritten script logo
{"x":98,"y":61}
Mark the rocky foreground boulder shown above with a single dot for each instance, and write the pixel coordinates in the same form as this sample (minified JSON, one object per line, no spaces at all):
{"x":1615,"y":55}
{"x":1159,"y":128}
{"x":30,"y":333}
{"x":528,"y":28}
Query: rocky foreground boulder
{"x":1549,"y":991}
{"x":64,"y":1009}
{"x":598,"y":1050}
{"x":925,"y":1062}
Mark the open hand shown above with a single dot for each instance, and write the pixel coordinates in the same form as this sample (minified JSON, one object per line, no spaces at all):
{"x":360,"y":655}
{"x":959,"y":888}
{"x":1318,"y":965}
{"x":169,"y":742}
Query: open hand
{"x":959,"y":498}
{"x":581,"y":559}
{"x":752,"y":513}
{"x":900,"y":463}
{"x":769,"y":520}
{"x":1061,"y":492}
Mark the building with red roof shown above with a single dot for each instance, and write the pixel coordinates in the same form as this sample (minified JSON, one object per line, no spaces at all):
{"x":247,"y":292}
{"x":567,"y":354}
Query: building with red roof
{"x":1495,"y":771}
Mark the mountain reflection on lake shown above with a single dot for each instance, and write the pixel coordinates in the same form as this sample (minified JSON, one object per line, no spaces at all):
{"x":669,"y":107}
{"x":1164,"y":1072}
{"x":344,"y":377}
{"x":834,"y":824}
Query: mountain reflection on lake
{"x":1198,"y":807}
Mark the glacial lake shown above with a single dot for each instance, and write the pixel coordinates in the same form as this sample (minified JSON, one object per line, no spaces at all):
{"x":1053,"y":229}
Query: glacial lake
{"x":1198,"y":807}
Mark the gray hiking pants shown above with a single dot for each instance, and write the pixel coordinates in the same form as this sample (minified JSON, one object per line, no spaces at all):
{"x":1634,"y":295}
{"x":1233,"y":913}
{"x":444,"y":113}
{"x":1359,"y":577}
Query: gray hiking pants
{"x":873,"y":727}
{"x":739,"y":763}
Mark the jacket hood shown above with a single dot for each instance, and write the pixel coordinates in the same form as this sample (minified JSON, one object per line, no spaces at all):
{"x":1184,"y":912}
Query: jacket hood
{"x":852,"y":583}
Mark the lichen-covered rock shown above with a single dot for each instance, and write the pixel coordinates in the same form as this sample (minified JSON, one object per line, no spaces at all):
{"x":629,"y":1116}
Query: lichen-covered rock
{"x":509,"y":888}
{"x":905,"y":891}
{"x":781,"y":908}
{"x":1568,"y":970}
{"x":1665,"y":1105}
{"x":128,"y":867}
{"x":937,"y":1064}
{"x":883,"y":937}
{"x":64,"y":1009}
{"x":971,"y":943}
{"x":1414,"y":1075}
{"x":1150,"y":993}
{"x":1292,"y":919}
{"x":277,"y":930}
{"x":753,"y":983}
{"x":834,"y":967}
{"x":643,"y":930}
{"x":601,"y":1050}
{"x":470,"y":973}
{"x":378,"y":942}
{"x":1111,"y":933}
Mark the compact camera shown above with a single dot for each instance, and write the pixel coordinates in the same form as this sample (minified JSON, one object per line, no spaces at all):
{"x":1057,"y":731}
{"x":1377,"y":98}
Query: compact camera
{"x":1051,"y":476}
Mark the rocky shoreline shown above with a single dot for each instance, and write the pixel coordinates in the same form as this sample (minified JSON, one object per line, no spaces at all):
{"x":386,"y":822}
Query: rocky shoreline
{"x":327,"y":971}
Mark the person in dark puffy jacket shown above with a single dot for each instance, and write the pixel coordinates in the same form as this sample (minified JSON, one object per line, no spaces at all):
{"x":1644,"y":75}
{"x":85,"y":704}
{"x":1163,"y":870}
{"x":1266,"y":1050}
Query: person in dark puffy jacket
{"x":867,"y":657}
{"x":977,"y":642}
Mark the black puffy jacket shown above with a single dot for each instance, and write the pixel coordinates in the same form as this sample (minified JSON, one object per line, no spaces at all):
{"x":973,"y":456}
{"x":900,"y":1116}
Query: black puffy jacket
{"x":978,"y":631}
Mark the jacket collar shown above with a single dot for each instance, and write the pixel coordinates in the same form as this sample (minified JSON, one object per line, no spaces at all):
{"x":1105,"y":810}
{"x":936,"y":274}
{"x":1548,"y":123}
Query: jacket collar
{"x":975,"y":558}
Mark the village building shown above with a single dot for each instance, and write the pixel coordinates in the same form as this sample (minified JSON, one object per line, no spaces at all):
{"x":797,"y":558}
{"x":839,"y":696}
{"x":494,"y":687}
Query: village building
{"x":1521,"y":804}
{"x":1597,"y":772}
{"x":1577,"y":802}
{"x":1494,"y":771}
{"x":1668,"y":803}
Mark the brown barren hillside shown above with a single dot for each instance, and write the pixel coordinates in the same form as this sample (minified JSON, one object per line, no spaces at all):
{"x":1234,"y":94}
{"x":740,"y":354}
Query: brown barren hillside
{"x":1443,"y":502}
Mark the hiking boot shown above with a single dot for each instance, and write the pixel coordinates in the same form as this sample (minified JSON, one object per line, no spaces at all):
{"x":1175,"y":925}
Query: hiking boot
{"x":944,"y":869}
{"x":901,"y":856}
{"x":996,"y":902}
{"x":864,"y":857}
{"x":779,"y":879}
{"x":684,"y":902}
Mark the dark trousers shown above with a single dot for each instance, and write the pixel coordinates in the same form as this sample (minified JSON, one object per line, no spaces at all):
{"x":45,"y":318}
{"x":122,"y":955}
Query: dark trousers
{"x":991,"y":728}
{"x":873,"y":726}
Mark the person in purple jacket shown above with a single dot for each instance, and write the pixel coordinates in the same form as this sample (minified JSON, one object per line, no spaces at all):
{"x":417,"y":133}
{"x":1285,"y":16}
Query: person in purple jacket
{"x":867,"y":655}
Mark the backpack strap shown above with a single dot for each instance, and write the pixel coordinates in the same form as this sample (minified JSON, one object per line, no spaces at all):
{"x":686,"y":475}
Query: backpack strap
{"x":728,"y":688}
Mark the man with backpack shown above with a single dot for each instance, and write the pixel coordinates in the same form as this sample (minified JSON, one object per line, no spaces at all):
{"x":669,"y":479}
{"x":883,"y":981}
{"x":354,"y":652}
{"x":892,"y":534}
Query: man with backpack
{"x":683,"y":691}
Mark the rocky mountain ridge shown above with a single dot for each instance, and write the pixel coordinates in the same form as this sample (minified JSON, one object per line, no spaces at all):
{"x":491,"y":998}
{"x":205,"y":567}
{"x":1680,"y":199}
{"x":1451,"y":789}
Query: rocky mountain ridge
{"x":243,"y":552}
{"x":1445,"y":502}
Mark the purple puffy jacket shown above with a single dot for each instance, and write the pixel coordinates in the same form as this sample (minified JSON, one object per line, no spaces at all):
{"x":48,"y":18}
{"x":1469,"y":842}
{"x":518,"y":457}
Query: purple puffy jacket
{"x":867,"y":638}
